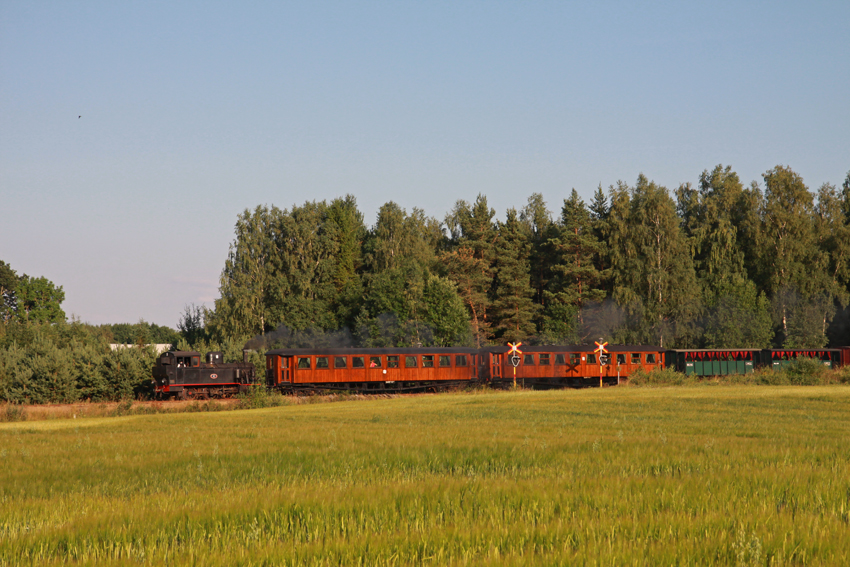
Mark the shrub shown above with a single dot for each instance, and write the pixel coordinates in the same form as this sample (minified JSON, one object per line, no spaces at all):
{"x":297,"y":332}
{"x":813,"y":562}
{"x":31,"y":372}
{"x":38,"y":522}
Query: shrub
{"x":800,"y":372}
{"x":259,"y":396}
{"x":659,"y":377}
{"x":13,"y":412}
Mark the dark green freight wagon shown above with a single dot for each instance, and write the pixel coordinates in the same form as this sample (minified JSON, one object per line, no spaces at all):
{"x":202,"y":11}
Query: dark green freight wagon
{"x":778,"y":357}
{"x":714,"y":362}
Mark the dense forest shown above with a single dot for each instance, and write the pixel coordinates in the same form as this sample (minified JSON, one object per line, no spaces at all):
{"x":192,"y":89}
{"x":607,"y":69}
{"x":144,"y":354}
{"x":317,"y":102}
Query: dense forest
{"x":712,"y":265}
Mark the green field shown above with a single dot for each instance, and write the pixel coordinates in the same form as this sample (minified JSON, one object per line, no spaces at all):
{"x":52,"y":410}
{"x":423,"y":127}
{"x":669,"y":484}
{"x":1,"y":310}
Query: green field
{"x":620,"y":476}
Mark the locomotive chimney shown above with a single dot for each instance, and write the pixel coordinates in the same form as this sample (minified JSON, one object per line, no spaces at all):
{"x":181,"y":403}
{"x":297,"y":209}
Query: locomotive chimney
{"x":245,"y":352}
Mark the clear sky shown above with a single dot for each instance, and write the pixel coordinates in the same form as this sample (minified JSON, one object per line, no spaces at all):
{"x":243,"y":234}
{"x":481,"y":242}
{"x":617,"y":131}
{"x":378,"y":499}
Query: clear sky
{"x":133,"y":133}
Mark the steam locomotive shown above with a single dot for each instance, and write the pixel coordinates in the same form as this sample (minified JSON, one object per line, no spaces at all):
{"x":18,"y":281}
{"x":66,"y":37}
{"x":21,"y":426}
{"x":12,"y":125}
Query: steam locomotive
{"x":181,"y":374}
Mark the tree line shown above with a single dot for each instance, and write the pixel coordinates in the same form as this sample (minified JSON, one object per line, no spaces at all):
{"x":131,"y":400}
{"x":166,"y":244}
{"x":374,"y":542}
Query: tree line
{"x":712,"y":265}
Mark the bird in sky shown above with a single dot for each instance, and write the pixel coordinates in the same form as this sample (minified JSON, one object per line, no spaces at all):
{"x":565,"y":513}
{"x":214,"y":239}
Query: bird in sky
{"x":80,"y":116}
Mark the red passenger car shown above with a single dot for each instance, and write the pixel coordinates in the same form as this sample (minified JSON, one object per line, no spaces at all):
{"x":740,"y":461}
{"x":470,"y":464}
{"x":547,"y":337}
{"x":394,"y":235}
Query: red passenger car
{"x":389,"y":369}
{"x":557,"y":366}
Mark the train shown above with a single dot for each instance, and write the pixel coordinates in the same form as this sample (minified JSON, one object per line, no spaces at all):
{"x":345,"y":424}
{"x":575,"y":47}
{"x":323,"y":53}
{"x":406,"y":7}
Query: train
{"x":181,"y":374}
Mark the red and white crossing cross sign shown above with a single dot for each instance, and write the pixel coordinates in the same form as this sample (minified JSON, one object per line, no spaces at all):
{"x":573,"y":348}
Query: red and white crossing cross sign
{"x":600,"y":347}
{"x":515,"y":348}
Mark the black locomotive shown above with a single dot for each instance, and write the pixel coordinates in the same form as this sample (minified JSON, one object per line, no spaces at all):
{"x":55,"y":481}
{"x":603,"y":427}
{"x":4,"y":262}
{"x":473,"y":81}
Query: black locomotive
{"x":181,"y":374}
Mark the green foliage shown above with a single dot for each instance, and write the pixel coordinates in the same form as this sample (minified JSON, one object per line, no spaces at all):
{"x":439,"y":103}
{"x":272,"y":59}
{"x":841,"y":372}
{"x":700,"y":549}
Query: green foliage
{"x":512,"y":309}
{"x":538,"y":225}
{"x":575,"y":254}
{"x":561,"y":325}
{"x":192,"y":324}
{"x":295,"y":267}
{"x":34,"y":299}
{"x":445,"y":313}
{"x":723,"y":265}
{"x":469,"y":262}
{"x":67,"y":362}
{"x":660,"y":377}
{"x":652,"y":266}
{"x":736,"y":314}
{"x":259,"y":396}
{"x":8,"y":285}
{"x":801,"y":371}
{"x":140,"y":333}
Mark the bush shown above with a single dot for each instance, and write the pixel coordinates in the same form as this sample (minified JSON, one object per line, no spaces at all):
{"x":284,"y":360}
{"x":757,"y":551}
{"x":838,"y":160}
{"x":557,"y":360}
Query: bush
{"x":800,"y":372}
{"x":259,"y":396}
{"x":13,"y":412}
{"x":660,"y":377}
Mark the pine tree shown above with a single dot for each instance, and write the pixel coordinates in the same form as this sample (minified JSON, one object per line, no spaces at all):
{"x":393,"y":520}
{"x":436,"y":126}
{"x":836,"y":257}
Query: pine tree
{"x":345,"y":227}
{"x":599,"y":210}
{"x":469,"y":261}
{"x":538,"y":226}
{"x":512,"y":307}
{"x":575,"y":253}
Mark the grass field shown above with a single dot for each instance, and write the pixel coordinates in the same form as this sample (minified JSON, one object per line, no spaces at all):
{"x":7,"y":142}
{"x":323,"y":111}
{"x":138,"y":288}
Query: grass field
{"x":620,"y":476}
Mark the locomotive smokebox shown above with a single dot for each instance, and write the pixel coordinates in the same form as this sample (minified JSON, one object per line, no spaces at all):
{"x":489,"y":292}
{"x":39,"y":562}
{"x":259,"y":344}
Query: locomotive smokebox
{"x":215,"y":357}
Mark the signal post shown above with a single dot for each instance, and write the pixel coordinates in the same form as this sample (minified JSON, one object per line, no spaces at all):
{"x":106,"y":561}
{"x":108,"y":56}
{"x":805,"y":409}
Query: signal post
{"x":602,"y":353}
{"x":513,"y":356}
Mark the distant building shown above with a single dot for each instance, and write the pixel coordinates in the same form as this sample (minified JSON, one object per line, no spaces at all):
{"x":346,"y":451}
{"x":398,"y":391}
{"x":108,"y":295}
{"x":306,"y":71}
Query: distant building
{"x":158,"y":348}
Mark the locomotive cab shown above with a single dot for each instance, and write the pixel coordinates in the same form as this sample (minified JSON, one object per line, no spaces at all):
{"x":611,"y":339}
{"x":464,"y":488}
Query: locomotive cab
{"x":173,"y":369}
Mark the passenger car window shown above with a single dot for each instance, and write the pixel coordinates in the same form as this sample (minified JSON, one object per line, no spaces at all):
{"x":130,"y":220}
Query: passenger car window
{"x":635,"y":358}
{"x":544,"y":359}
{"x":392,"y":362}
{"x":621,"y":359}
{"x":445,"y":361}
{"x":339,"y":362}
{"x":573,"y":358}
{"x":460,"y":360}
{"x":374,"y":362}
{"x":427,"y":361}
{"x":591,"y":359}
{"x":358,"y":362}
{"x":560,"y":359}
{"x":303,"y":362}
{"x":410,"y":362}
{"x":321,"y":362}
{"x":650,"y":358}
{"x":528,"y":359}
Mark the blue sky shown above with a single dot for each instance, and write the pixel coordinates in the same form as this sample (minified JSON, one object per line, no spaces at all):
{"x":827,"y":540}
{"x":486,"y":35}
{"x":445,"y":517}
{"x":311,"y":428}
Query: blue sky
{"x":193,"y":111}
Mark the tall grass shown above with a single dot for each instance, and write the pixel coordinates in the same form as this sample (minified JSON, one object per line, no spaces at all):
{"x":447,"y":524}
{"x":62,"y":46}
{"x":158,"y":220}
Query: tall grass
{"x":737,"y":475}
